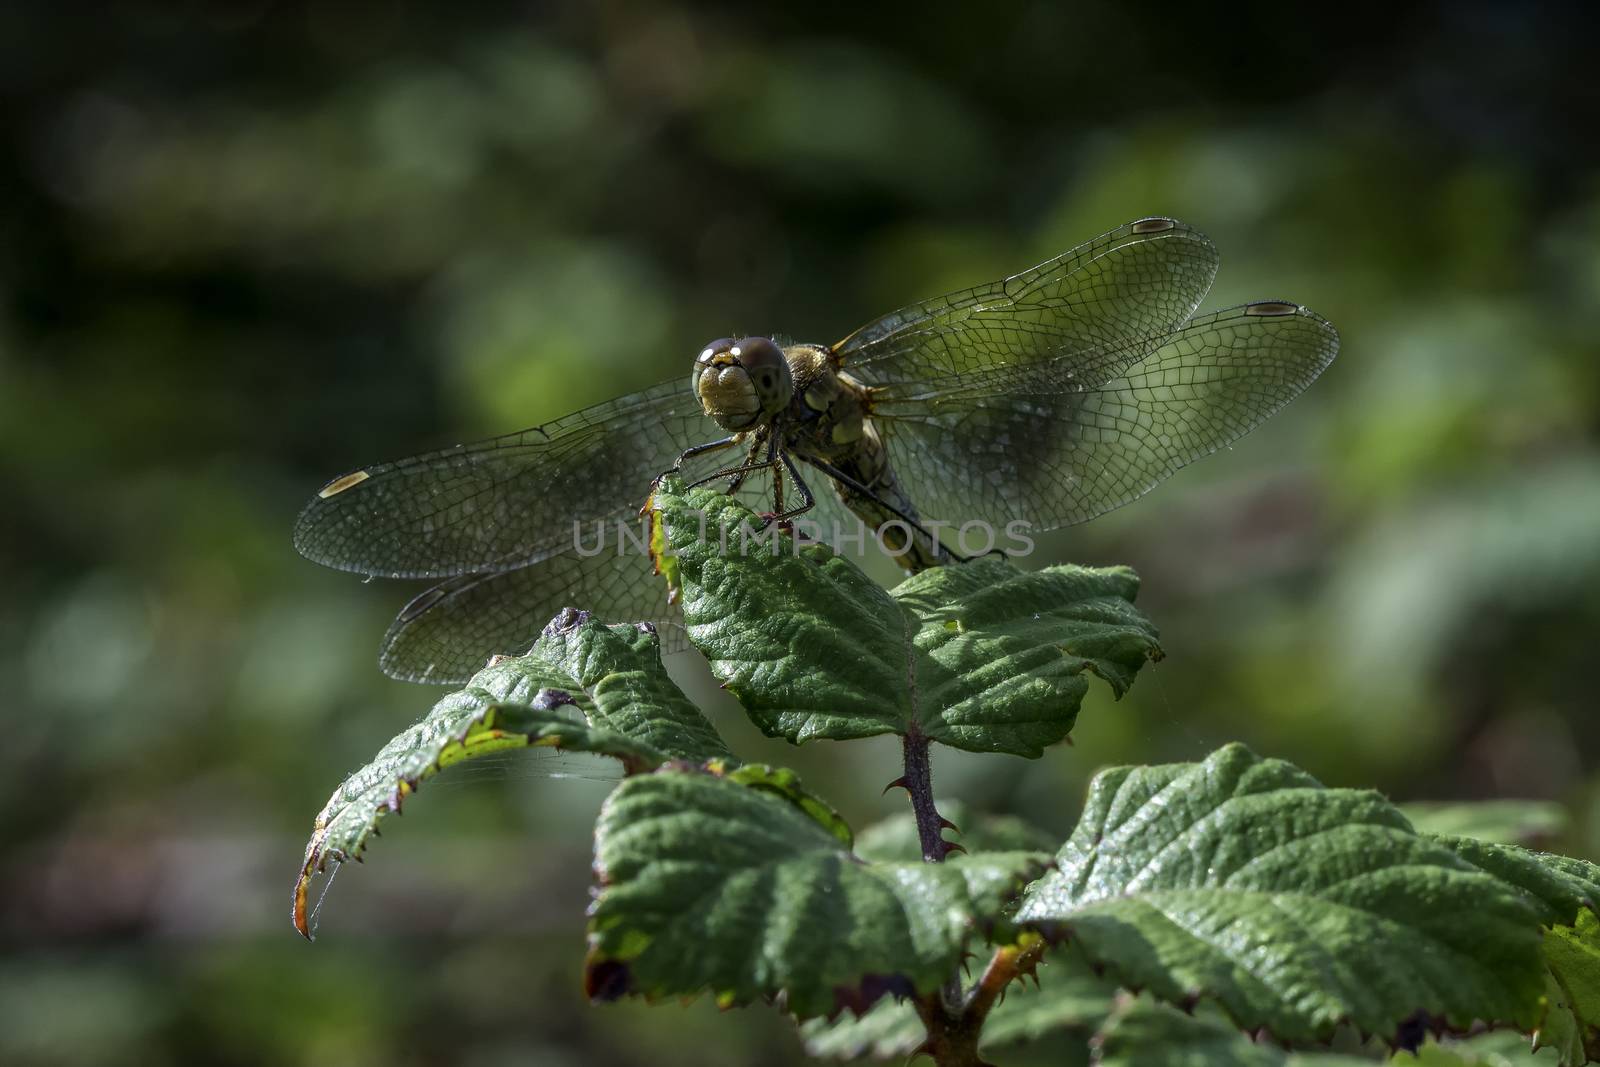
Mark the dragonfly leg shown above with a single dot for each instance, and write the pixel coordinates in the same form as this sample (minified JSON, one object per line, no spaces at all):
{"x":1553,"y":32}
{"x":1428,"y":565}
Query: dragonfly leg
{"x":857,"y":487}
{"x":698,"y":450}
{"x":777,"y":483}
{"x":779,"y":513}
{"x":737,"y":481}
{"x":777,"y":496}
{"x":726,"y":472}
{"x":809,"y":501}
{"x":751,"y":464}
{"x":688,"y":454}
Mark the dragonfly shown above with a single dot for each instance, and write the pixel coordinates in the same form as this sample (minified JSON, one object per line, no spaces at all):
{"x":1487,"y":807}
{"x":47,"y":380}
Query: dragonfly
{"x":1046,"y":398}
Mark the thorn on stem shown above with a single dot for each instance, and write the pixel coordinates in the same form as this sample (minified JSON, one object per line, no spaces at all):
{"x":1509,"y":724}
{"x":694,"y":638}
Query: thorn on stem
{"x":899,"y":782}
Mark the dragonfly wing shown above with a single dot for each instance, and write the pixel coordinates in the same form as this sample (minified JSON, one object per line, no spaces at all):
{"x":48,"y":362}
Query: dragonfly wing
{"x":1036,"y":444}
{"x":1096,"y":308}
{"x":502,"y":503}
{"x":447,"y":633}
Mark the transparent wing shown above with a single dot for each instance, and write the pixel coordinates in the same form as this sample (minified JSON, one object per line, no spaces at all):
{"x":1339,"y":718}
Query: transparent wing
{"x":448,"y":632}
{"x":1093,"y":310}
{"x":507,"y":501}
{"x":508,"y":524}
{"x":1038,"y":445}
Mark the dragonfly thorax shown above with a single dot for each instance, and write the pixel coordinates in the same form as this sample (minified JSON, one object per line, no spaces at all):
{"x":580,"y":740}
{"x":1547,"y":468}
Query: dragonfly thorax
{"x":742,"y":382}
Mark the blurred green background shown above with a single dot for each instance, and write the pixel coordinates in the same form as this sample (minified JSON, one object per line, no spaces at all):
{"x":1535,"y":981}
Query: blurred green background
{"x":247,"y":246}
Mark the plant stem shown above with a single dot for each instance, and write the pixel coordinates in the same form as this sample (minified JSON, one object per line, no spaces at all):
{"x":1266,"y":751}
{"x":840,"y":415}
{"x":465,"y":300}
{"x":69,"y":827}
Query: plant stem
{"x":954,"y":1019}
{"x":1005,"y":966}
{"x":952,"y":1035}
{"x":954,"y":1026}
{"x":918,"y":781}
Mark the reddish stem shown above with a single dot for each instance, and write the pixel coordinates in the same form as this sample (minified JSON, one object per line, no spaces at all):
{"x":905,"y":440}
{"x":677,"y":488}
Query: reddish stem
{"x":918,"y":782}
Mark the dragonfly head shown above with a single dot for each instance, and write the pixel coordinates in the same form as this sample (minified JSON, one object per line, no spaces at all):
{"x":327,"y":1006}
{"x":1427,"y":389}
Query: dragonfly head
{"x":742,"y":381}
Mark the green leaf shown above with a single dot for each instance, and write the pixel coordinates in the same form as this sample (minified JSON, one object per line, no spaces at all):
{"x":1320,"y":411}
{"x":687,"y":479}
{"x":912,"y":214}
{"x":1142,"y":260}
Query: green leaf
{"x":891,"y":1029}
{"x":785,"y":783}
{"x":706,"y":884}
{"x":618,"y":670}
{"x":1556,"y":886}
{"x":979,"y":656}
{"x":895,"y":838}
{"x":1565,"y":891}
{"x":808,"y":643}
{"x":1561,"y":1029}
{"x":1500,"y":1048}
{"x":583,"y":687}
{"x":1055,"y":623}
{"x":1067,"y":996}
{"x":1144,"y":1034}
{"x":1507,"y":822}
{"x":1296,"y":907}
{"x":1572,"y":1026}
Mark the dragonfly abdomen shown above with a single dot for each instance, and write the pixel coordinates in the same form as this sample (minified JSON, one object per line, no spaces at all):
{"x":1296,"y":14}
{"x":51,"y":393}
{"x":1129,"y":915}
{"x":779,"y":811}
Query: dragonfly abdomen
{"x":886,"y":510}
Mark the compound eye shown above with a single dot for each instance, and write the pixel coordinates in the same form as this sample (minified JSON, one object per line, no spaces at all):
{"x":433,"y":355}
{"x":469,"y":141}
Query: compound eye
{"x":760,"y":357}
{"x":708,"y":353}
{"x":712,"y":349}
{"x":764,"y":362}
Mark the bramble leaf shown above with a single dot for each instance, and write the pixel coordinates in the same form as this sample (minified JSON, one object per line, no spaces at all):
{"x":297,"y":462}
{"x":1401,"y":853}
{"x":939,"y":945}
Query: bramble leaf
{"x":1067,"y":996}
{"x":583,"y":687}
{"x":1572,"y":1026}
{"x":979,"y":656}
{"x":1566,"y":893}
{"x":785,"y":783}
{"x":706,"y":884}
{"x":615,"y":674}
{"x":1497,"y":1048}
{"x":1295,"y":907}
{"x":890,"y":1029}
{"x":1144,"y":1034}
{"x":1557,"y":887}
